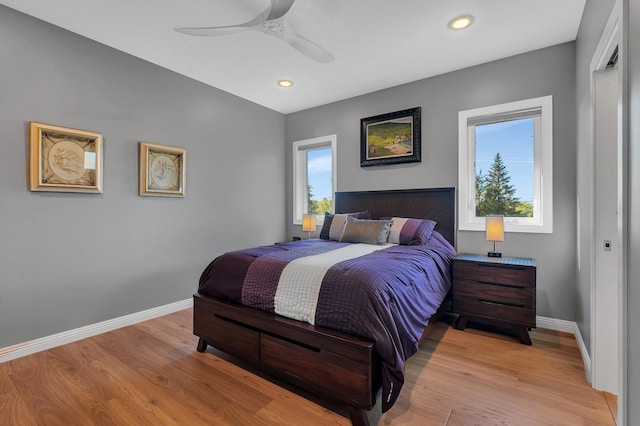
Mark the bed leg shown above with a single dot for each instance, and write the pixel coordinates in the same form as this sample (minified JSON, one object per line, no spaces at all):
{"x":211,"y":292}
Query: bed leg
{"x":358,"y":416}
{"x":523,"y":334}
{"x":202,"y":345}
{"x":461,"y":323}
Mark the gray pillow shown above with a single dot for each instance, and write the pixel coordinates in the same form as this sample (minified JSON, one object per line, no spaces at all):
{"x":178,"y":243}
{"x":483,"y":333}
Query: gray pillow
{"x":326,"y":232}
{"x":366,"y":231}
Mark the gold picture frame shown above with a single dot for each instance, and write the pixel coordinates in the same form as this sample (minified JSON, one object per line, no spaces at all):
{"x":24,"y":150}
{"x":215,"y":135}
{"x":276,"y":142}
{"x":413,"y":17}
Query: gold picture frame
{"x":162,"y":170}
{"x":64,"y":160}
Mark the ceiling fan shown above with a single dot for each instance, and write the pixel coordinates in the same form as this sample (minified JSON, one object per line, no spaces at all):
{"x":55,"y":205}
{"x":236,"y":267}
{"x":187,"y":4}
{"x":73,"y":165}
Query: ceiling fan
{"x":271,"y":22}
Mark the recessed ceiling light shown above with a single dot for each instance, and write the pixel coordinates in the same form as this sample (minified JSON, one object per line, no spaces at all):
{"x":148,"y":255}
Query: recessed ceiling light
{"x":461,"y":22}
{"x":285,"y":83}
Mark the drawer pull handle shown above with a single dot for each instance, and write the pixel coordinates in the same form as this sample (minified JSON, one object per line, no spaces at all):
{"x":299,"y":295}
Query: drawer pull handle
{"x":514,"y":305}
{"x":291,"y":342}
{"x":292,"y":375}
{"x":500,"y":285}
{"x":501,"y":266}
{"x":238,"y":323}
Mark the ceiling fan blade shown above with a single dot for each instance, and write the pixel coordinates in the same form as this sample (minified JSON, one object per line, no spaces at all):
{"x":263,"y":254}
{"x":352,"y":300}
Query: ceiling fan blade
{"x":271,"y":22}
{"x":307,"y":47}
{"x":278,"y":9}
{"x":211,"y":31}
{"x":225,"y":29}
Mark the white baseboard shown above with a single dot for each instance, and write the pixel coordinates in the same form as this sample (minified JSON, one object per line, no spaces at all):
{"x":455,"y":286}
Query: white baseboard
{"x":48,"y":342}
{"x":586,"y":359}
{"x":569,"y":327}
{"x":556,"y":324}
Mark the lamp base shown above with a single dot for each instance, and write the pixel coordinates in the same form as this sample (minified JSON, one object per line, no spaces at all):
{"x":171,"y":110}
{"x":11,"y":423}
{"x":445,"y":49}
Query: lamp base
{"x":494,"y":254}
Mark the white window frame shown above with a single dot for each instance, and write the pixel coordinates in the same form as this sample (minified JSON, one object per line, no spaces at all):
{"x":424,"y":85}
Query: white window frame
{"x":300,"y":149}
{"x":542,"y":220}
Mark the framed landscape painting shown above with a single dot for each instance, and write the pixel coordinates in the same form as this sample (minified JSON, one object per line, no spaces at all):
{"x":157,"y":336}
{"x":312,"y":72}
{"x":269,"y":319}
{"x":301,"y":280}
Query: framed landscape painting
{"x":162,"y":170}
{"x":390,"y":138}
{"x":64,"y":160}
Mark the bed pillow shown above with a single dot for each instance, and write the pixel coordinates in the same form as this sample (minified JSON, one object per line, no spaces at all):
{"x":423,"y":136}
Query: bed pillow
{"x":366,"y":231}
{"x":411,"y":232}
{"x":333,"y":231}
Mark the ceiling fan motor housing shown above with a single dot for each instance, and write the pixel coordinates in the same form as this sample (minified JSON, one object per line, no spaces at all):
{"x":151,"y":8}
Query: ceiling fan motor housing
{"x":272,"y":27}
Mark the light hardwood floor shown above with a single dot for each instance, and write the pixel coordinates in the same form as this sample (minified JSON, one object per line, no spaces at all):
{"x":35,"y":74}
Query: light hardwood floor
{"x":151,"y":374}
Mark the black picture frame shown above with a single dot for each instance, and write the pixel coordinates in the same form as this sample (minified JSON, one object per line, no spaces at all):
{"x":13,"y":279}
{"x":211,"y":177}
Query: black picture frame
{"x":392,"y":138}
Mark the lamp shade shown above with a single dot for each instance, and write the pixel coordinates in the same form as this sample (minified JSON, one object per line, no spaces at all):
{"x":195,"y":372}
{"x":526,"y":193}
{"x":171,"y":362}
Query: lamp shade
{"x":309,"y":223}
{"x":495,"y":228}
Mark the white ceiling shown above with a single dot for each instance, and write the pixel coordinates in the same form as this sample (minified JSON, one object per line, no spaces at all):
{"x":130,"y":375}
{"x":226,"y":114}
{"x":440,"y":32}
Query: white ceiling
{"x":376,"y":43}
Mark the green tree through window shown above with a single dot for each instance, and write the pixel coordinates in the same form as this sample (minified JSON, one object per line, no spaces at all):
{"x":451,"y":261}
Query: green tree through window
{"x":495,"y":194}
{"x":318,"y":207}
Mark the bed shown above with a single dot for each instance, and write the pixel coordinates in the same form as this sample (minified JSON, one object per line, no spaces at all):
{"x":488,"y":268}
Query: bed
{"x":338,"y":364}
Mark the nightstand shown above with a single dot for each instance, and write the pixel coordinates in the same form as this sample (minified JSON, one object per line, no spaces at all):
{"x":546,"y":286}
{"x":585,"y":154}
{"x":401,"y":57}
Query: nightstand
{"x":499,"y":291}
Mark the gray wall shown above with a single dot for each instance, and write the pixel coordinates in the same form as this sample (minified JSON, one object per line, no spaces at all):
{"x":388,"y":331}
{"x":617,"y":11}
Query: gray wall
{"x":548,"y":71}
{"x":633,"y":191}
{"x":594,"y":19}
{"x":68,"y":260}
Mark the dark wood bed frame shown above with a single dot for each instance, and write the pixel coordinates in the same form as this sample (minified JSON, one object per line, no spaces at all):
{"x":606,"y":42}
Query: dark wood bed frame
{"x":334,"y":366}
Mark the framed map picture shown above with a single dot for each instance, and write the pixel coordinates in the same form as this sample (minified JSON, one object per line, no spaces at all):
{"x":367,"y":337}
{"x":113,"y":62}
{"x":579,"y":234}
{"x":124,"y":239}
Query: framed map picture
{"x":162,"y":170}
{"x":390,"y":138}
{"x":64,"y":160}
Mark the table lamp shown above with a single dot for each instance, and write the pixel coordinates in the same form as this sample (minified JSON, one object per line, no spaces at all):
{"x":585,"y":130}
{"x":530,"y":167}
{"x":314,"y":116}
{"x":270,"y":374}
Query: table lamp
{"x":309,"y":223}
{"x":495,"y":232}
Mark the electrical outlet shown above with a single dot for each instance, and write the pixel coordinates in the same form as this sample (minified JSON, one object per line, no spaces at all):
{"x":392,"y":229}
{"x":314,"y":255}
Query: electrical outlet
{"x":607,"y":245}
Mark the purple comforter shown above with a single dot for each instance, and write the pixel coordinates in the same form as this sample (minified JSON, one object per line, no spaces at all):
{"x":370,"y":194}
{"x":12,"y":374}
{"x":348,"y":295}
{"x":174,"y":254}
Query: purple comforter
{"x":386,"y":296}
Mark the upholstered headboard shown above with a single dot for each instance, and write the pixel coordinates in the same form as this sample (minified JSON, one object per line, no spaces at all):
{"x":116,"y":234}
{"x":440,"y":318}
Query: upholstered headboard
{"x":437,"y":204}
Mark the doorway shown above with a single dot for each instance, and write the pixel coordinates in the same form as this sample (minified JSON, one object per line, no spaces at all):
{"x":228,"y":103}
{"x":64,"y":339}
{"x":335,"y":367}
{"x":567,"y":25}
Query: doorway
{"x":608,"y":241}
{"x":605,"y":234}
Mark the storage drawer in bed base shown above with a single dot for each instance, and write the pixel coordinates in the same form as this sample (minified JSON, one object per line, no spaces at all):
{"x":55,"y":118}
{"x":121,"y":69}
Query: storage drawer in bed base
{"x":331,"y":364}
{"x":228,"y":335}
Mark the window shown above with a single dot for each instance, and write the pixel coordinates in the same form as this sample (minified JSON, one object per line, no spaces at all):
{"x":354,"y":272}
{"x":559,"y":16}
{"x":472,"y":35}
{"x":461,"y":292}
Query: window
{"x":505,"y":162}
{"x":314,"y":177}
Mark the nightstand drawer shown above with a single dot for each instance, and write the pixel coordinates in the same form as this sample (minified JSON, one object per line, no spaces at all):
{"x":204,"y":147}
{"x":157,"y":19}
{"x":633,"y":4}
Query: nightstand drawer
{"x":517,"y":296}
{"x":494,"y":301}
{"x":498,"y":274}
{"x":484,"y":307}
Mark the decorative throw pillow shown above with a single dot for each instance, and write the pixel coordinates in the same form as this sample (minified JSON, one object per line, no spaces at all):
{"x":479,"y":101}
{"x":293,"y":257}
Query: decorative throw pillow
{"x":366,"y":231}
{"x":331,"y":231}
{"x":414,"y":232}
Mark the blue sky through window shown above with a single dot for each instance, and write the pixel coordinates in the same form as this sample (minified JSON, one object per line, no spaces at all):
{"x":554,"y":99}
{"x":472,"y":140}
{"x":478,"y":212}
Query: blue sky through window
{"x":514,"y":141}
{"x":319,"y":173}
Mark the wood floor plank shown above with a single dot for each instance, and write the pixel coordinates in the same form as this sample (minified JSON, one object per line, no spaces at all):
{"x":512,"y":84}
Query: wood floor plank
{"x":151,"y":404}
{"x":612,"y":402}
{"x":12,"y":408}
{"x":47,"y":399}
{"x":131,"y":412}
{"x":538,"y":395}
{"x":150,"y":373}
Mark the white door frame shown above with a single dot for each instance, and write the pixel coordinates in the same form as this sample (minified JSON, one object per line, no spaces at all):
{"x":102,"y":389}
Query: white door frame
{"x":612,"y":36}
